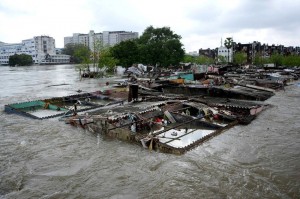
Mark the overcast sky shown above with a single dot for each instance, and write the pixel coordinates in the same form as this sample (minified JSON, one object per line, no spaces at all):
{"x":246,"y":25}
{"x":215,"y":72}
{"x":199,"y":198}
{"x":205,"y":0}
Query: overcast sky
{"x":200,"y":23}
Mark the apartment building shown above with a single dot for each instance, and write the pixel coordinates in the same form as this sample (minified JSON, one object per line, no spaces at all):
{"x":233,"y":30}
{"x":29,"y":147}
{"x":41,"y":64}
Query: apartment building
{"x":107,"y":38}
{"x":41,"y":48}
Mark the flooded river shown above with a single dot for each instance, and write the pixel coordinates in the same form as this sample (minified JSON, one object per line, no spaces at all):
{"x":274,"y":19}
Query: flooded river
{"x":49,"y":159}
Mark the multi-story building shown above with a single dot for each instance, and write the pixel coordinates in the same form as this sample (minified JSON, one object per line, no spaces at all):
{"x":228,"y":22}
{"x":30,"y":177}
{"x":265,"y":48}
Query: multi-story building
{"x":252,"y":50}
{"x":256,"y":49}
{"x":226,"y":53}
{"x":211,"y":53}
{"x":41,"y":48}
{"x":68,"y":40}
{"x":107,"y":38}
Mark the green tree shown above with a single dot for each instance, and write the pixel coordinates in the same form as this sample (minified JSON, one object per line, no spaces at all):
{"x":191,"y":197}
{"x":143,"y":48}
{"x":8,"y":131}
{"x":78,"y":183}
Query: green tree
{"x":198,"y":59}
{"x":291,"y":60}
{"x":204,"y":60}
{"x":126,"y":52}
{"x":79,"y":53}
{"x":81,"y":56}
{"x":189,"y":59}
{"x":221,"y":59}
{"x":260,"y":60}
{"x":107,"y":60}
{"x":97,"y":45}
{"x":277,"y":59}
{"x":228,"y":43}
{"x":160,"y":46}
{"x":240,"y":58}
{"x":21,"y":60}
{"x":69,"y":49}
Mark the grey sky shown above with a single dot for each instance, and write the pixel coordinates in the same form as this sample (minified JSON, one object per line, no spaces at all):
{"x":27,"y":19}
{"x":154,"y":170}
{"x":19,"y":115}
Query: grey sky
{"x":201,"y":23}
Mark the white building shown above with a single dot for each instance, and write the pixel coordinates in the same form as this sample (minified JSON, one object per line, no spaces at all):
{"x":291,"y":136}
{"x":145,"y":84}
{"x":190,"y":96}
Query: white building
{"x":223,"y":51}
{"x":107,"y":38}
{"x":41,"y":48}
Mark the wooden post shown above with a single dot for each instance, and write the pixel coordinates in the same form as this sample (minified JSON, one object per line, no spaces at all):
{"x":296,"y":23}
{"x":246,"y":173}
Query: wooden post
{"x":133,"y":92}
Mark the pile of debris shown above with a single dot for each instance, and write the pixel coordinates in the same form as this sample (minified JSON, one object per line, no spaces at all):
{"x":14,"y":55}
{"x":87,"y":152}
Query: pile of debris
{"x":171,"y":114}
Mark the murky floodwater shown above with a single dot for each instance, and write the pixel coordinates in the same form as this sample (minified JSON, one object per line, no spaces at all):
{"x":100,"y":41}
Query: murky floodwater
{"x":49,"y":159}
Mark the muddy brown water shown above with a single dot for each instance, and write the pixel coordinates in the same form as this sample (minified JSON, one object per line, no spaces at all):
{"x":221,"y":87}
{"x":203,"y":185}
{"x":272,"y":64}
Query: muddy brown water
{"x":49,"y":159}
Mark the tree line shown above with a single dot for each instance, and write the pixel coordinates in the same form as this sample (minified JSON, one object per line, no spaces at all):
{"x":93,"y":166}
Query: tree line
{"x":20,"y":60}
{"x":156,"y":46}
